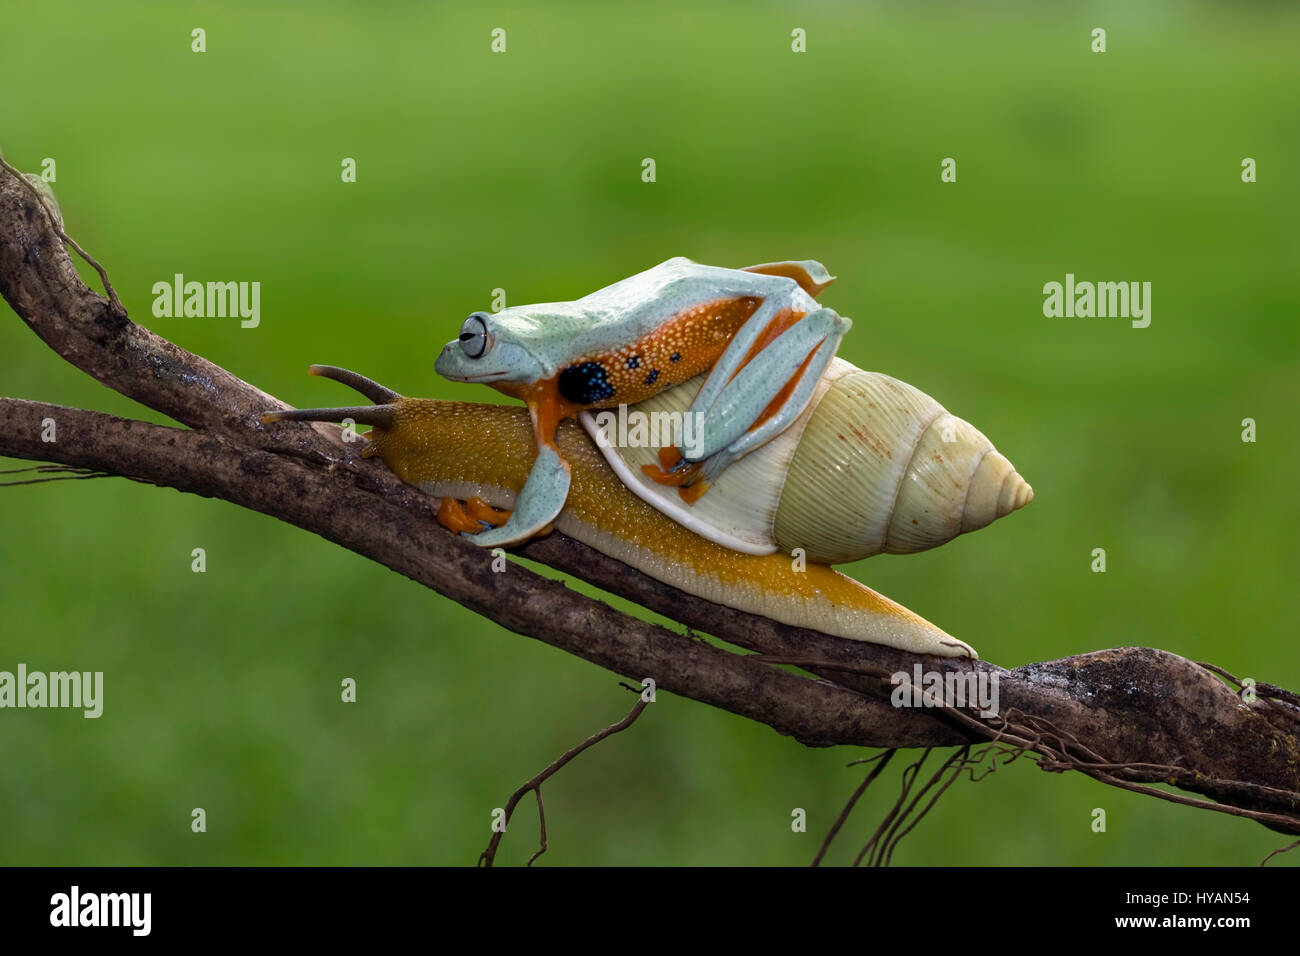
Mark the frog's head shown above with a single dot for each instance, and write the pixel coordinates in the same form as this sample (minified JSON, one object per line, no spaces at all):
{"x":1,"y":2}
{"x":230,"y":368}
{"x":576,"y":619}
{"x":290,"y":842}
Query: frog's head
{"x":493,"y":350}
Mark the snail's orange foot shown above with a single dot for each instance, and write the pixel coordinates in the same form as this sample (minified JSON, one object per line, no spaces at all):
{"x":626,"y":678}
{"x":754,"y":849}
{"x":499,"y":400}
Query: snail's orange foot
{"x":469,"y":517}
{"x":673,"y":469}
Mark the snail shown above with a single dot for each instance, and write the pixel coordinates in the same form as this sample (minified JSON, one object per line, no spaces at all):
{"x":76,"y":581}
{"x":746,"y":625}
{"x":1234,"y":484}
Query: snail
{"x":864,"y":469}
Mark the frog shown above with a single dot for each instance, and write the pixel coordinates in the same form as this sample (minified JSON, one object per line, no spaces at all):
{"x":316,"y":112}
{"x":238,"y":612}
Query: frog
{"x":757,"y":331}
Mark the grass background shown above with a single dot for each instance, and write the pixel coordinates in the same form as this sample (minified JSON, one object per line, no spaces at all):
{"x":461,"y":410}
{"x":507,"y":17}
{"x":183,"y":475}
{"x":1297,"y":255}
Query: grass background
{"x":522,"y":171}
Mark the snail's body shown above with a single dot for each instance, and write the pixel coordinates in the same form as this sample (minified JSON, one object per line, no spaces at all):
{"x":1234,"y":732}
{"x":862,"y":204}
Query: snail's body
{"x":462,"y":450}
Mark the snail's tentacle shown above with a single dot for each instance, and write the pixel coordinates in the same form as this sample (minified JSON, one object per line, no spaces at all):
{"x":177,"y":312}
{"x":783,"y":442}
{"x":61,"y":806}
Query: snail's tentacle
{"x":373,"y":415}
{"x":379,"y":394}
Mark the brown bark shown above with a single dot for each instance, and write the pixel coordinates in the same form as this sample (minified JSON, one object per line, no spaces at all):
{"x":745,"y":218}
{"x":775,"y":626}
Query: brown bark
{"x":1124,"y":716}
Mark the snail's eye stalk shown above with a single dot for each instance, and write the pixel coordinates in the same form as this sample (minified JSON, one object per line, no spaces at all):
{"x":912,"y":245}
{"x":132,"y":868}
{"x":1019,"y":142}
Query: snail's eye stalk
{"x":474,"y":336}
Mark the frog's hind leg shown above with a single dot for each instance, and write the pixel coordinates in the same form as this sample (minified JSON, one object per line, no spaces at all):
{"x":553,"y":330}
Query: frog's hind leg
{"x":751,"y":397}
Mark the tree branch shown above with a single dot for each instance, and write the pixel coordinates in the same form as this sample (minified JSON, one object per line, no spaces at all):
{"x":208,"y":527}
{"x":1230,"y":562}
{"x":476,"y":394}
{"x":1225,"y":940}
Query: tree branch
{"x":1185,"y":727}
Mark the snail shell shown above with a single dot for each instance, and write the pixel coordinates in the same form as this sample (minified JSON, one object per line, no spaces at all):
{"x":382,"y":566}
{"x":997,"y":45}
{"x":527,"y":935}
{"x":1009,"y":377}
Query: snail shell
{"x":872,"y":466}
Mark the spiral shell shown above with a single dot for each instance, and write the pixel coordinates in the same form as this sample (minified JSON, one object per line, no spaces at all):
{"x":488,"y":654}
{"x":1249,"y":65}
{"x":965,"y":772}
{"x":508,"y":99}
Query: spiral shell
{"x":872,"y":466}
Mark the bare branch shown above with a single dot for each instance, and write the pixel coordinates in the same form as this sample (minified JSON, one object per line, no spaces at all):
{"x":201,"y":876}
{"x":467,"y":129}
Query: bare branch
{"x":488,"y":856}
{"x":1126,"y":716}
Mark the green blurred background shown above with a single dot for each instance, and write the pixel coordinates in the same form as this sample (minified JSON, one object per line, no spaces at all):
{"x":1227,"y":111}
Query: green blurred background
{"x":523,"y":171}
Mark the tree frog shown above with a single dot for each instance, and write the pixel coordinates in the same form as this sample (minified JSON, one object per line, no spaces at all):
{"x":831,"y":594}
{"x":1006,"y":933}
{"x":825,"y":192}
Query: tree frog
{"x":758,"y":332}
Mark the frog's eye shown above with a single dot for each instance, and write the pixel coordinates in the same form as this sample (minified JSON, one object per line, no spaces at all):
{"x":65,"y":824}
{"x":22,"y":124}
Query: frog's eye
{"x":474,"y":335}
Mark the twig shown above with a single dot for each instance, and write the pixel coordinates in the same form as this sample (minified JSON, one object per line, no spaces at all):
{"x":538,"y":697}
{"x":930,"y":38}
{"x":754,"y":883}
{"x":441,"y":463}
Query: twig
{"x":1281,"y":849}
{"x":56,"y":473}
{"x":56,"y":225}
{"x":1262,"y":690}
{"x":488,"y":856}
{"x":895,"y":835}
{"x":882,"y":761}
{"x":908,"y":778}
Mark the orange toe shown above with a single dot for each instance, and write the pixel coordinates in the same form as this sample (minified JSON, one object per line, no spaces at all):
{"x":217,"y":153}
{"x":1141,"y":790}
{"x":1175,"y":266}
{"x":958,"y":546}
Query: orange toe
{"x":673,"y":470}
{"x":480,"y":510}
{"x":451,"y":514}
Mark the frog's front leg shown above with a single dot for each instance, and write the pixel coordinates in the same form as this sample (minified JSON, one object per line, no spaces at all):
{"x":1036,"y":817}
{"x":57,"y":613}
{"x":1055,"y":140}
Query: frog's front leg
{"x":545,"y":490}
{"x":759,"y":386}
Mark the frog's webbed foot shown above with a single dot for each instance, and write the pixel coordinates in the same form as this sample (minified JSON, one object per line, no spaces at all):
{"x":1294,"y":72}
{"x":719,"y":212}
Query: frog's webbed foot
{"x":540,"y":500}
{"x":760,"y":385}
